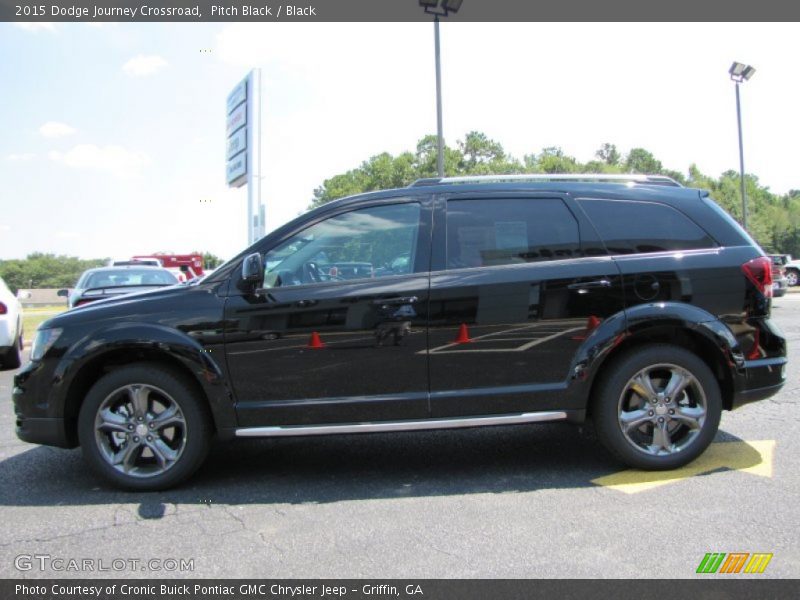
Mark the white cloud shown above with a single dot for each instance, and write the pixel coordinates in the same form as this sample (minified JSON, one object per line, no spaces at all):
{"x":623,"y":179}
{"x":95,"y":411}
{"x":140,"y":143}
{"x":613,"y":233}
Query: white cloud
{"x":115,"y":159}
{"x":22,"y":156}
{"x":34,"y":27}
{"x":5,"y":228}
{"x":67,"y":234}
{"x":141,"y":65}
{"x":54,"y":129}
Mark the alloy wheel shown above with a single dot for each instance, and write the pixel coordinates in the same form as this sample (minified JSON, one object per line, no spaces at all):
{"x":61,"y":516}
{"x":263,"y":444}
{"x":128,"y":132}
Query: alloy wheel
{"x":662,"y":409}
{"x":140,"y":430}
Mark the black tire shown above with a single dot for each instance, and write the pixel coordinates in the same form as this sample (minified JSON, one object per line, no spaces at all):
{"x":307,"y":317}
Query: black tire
{"x":792,"y":275}
{"x":196,"y":428}
{"x":12,"y":358}
{"x":614,"y":394}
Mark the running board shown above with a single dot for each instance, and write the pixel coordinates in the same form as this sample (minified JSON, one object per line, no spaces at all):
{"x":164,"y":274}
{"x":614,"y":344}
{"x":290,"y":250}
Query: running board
{"x":420,"y":425}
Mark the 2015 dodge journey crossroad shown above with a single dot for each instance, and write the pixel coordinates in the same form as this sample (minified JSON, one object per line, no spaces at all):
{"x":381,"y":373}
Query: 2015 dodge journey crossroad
{"x":628,"y":300}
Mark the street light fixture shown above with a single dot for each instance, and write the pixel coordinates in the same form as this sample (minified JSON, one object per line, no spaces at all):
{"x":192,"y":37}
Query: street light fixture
{"x":439,"y":8}
{"x":739,"y":74}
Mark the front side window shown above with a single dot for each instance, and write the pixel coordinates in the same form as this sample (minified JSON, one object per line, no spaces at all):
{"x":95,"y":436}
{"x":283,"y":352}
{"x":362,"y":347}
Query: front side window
{"x":371,"y":242}
{"x":507,"y":231}
{"x":629,"y":227}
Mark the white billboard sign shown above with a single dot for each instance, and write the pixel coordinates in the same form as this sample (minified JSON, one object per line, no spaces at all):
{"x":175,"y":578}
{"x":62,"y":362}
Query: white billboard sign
{"x":237,"y":170}
{"x":237,"y":96}
{"x":237,"y":119}
{"x":243,"y":147}
{"x":237,"y":143}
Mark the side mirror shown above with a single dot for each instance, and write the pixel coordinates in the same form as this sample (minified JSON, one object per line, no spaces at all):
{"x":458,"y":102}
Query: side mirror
{"x":62,"y":293}
{"x":253,"y":269}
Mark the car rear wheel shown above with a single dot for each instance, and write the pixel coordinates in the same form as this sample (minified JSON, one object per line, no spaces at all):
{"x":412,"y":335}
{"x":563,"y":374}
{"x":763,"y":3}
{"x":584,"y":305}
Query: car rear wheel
{"x":144,"y":428}
{"x":658,"y":408}
{"x":12,"y":359}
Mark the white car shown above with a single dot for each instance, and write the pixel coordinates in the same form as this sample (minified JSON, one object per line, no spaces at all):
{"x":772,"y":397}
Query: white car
{"x":792,"y":268}
{"x":10,"y":329}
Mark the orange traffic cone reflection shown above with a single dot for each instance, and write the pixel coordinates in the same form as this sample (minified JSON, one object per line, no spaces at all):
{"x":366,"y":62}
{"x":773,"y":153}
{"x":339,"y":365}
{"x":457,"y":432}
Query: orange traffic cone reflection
{"x":315,"y":342}
{"x":591,"y":324}
{"x":463,"y":335}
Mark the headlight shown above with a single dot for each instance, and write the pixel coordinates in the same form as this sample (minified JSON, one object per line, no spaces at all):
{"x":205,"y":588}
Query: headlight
{"x":44,"y":340}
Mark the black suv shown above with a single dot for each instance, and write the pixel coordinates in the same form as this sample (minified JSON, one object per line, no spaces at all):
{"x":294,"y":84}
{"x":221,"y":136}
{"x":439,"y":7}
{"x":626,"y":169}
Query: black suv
{"x":632,"y":301}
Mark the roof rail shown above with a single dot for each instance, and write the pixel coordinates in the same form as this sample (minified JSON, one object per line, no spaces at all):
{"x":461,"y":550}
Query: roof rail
{"x":632,"y":178}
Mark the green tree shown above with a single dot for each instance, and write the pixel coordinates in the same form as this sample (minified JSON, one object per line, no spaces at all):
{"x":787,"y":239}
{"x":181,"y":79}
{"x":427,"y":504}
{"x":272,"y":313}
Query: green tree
{"x":640,"y":160}
{"x":39,"y":270}
{"x":609,"y":154}
{"x":774,"y":221}
{"x":210,"y":261}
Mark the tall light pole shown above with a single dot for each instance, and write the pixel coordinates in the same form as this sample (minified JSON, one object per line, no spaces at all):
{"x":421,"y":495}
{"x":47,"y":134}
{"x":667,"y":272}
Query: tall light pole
{"x":739,"y":74}
{"x":439,"y":8}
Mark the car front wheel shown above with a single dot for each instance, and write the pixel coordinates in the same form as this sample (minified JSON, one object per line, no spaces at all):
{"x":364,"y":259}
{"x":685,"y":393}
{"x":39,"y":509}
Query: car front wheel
{"x":144,"y":428}
{"x":658,"y":408}
{"x":791,"y":277}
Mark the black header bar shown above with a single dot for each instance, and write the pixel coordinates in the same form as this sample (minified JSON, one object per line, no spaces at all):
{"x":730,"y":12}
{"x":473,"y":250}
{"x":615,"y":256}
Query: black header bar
{"x":136,"y":11}
{"x":746,"y":587}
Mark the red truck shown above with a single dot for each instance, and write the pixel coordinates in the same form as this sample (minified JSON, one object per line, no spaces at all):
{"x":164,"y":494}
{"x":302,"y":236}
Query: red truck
{"x":185,"y":266}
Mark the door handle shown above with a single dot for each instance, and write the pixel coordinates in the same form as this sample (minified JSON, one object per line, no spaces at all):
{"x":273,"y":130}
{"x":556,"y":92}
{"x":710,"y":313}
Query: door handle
{"x":586,"y":285}
{"x":306,"y":303}
{"x":397,"y":301}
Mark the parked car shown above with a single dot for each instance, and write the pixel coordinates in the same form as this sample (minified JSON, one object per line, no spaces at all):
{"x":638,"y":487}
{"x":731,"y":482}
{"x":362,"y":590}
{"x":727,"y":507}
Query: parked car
{"x":635,"y":303}
{"x":780,"y":283}
{"x":792,"y":269}
{"x":11,"y":333}
{"x":107,"y":282}
{"x":135,"y":262}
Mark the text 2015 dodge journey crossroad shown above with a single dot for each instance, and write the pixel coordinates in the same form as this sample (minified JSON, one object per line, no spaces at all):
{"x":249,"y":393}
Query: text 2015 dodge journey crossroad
{"x":477,"y":301}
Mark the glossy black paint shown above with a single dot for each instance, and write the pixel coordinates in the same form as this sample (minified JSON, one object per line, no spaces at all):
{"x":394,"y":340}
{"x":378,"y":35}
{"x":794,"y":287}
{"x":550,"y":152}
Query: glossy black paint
{"x":542,"y":332}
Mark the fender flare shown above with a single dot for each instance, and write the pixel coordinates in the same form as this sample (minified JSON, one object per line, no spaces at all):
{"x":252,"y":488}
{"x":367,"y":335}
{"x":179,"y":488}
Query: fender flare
{"x":152,"y":339}
{"x":614,"y":330}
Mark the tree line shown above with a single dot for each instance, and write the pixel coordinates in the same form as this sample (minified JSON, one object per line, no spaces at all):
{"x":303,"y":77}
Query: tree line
{"x":773,"y":219}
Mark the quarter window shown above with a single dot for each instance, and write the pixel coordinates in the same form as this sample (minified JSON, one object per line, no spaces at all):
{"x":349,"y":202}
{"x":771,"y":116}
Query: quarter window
{"x":372,"y":242}
{"x":628,"y":227}
{"x":507,"y":231}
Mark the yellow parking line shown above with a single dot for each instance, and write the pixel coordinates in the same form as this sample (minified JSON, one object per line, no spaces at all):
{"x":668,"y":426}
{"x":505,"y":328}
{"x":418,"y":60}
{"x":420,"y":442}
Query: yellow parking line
{"x":749,"y":457}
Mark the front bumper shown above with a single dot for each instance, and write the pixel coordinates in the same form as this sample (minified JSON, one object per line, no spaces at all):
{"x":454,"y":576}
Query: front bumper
{"x":49,"y":432}
{"x":38,"y":420}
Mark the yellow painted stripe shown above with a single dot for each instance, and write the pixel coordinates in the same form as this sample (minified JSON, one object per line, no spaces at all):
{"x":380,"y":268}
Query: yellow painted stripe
{"x":754,"y":457}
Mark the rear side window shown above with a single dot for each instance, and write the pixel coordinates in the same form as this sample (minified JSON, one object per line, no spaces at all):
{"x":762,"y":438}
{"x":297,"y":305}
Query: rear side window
{"x":509,"y":231}
{"x":628,"y":227}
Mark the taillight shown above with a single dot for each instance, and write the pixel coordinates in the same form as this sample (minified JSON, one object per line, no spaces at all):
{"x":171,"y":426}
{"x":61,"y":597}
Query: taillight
{"x":3,"y":309}
{"x":759,"y":271}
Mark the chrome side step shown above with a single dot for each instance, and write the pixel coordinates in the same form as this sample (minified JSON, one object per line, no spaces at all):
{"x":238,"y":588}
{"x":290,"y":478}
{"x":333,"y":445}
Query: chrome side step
{"x":419,"y":425}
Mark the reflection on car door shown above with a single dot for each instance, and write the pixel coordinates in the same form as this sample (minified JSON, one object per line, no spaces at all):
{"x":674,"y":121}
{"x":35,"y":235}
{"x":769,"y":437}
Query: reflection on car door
{"x":514,"y":294}
{"x":336,"y":349}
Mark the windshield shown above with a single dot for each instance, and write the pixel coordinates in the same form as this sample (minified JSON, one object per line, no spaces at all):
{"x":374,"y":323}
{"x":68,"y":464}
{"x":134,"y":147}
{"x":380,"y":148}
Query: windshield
{"x":123,"y":277}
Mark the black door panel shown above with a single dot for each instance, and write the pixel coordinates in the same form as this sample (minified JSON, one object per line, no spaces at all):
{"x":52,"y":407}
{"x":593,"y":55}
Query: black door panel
{"x":524,"y":323}
{"x":371,"y":364}
{"x":503,"y":335}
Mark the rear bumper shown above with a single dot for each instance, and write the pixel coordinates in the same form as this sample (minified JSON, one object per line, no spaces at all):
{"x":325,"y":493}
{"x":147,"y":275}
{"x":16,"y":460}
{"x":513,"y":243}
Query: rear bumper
{"x":760,"y":379}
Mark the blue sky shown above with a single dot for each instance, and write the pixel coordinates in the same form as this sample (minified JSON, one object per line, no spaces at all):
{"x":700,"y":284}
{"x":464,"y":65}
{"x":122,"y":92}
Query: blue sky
{"x":112,"y":137}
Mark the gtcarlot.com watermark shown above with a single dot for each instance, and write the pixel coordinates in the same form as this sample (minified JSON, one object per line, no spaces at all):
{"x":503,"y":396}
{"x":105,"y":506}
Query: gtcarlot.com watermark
{"x":62,"y":564}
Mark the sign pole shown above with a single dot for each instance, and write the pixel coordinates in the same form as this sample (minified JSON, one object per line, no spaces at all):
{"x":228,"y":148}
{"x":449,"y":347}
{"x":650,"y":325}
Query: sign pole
{"x":253,"y":148}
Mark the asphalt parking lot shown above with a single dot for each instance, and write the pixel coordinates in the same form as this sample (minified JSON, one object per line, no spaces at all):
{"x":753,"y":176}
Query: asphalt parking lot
{"x":528,"y":501}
